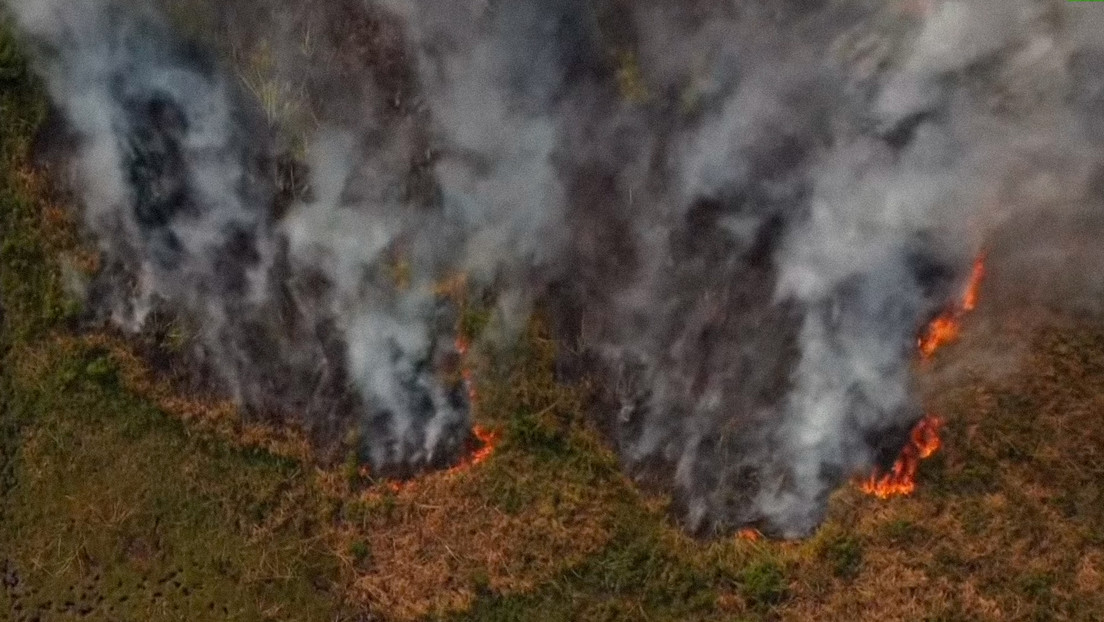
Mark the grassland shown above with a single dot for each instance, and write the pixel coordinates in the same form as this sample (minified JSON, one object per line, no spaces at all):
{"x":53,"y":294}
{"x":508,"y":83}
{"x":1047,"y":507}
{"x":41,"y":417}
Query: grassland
{"x":121,"y":499}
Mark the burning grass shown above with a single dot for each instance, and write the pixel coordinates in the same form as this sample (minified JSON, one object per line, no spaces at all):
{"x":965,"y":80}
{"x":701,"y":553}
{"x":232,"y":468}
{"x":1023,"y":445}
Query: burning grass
{"x":901,"y":479}
{"x":924,"y":440}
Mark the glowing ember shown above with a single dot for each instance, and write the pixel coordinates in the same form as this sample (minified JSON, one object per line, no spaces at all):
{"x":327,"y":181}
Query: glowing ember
{"x":924,"y":440}
{"x":749,"y":534}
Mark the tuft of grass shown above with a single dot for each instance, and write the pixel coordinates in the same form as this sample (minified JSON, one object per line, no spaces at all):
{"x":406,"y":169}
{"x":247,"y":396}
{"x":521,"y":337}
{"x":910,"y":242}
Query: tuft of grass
{"x":902,"y":532}
{"x":764,"y":583}
{"x":360,"y":552}
{"x":842,"y":551}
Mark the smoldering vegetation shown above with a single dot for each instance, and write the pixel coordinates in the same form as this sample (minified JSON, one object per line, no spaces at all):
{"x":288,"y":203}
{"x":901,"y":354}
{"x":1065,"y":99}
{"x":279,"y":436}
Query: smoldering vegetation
{"x":741,"y":214}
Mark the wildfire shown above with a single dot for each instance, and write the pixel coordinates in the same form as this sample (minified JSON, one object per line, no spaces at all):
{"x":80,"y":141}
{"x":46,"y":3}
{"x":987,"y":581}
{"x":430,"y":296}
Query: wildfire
{"x":462,"y":347}
{"x":942,"y":330}
{"x":483,"y":440}
{"x":924,"y":439}
{"x":945,"y":328}
{"x":487,"y":438}
{"x":970,"y":298}
{"x":479,"y":448}
{"x":901,"y":479}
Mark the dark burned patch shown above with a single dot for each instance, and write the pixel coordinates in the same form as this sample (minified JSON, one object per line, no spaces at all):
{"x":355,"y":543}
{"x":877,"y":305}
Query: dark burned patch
{"x":888,"y":443}
{"x":369,"y":41}
{"x":428,"y":387}
{"x":283,"y":359}
{"x":726,"y":326}
{"x":157,"y":168}
{"x":55,"y":141}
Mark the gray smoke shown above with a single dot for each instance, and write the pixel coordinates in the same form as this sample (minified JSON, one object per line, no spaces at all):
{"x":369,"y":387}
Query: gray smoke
{"x":744,"y":212}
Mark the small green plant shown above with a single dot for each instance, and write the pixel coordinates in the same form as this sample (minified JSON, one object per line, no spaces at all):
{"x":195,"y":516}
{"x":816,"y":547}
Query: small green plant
{"x":763,"y":583}
{"x":843,"y":553}
{"x":360,"y":552}
{"x":101,"y":370}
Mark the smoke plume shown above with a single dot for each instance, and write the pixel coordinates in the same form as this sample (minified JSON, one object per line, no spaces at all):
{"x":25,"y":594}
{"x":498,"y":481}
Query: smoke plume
{"x":748,"y":210}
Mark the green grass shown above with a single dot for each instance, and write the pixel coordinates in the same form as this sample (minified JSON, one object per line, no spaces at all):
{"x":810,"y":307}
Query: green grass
{"x":122,"y":501}
{"x":119,"y":511}
{"x":110,"y":508}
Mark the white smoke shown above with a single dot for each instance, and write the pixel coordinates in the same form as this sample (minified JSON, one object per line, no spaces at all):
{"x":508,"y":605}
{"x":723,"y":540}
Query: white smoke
{"x":751,"y":246}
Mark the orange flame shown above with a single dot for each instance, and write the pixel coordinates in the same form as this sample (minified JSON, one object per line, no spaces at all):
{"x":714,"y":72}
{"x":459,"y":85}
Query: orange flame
{"x":970,"y":298}
{"x":945,"y":328}
{"x":487,"y":438}
{"x":924,"y":439}
{"x":483,"y":440}
{"x":942,"y":330}
{"x":901,"y":479}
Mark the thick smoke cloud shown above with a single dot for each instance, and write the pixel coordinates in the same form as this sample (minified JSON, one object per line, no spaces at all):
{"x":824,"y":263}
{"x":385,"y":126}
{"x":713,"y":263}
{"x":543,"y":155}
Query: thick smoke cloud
{"x":744,"y":212}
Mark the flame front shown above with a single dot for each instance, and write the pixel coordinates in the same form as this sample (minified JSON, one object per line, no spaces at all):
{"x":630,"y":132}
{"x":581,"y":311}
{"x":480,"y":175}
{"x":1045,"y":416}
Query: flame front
{"x":945,"y":328}
{"x":924,"y":439}
{"x":487,"y":440}
{"x":901,"y":479}
{"x":942,"y":330}
{"x":970,"y":298}
{"x":484,"y":439}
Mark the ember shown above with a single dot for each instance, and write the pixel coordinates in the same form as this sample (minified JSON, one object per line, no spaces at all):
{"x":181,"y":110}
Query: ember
{"x":924,"y":439}
{"x":749,"y":534}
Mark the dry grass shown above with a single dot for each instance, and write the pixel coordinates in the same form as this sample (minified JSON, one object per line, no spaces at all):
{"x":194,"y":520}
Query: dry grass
{"x":450,"y":542}
{"x":1006,"y":524}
